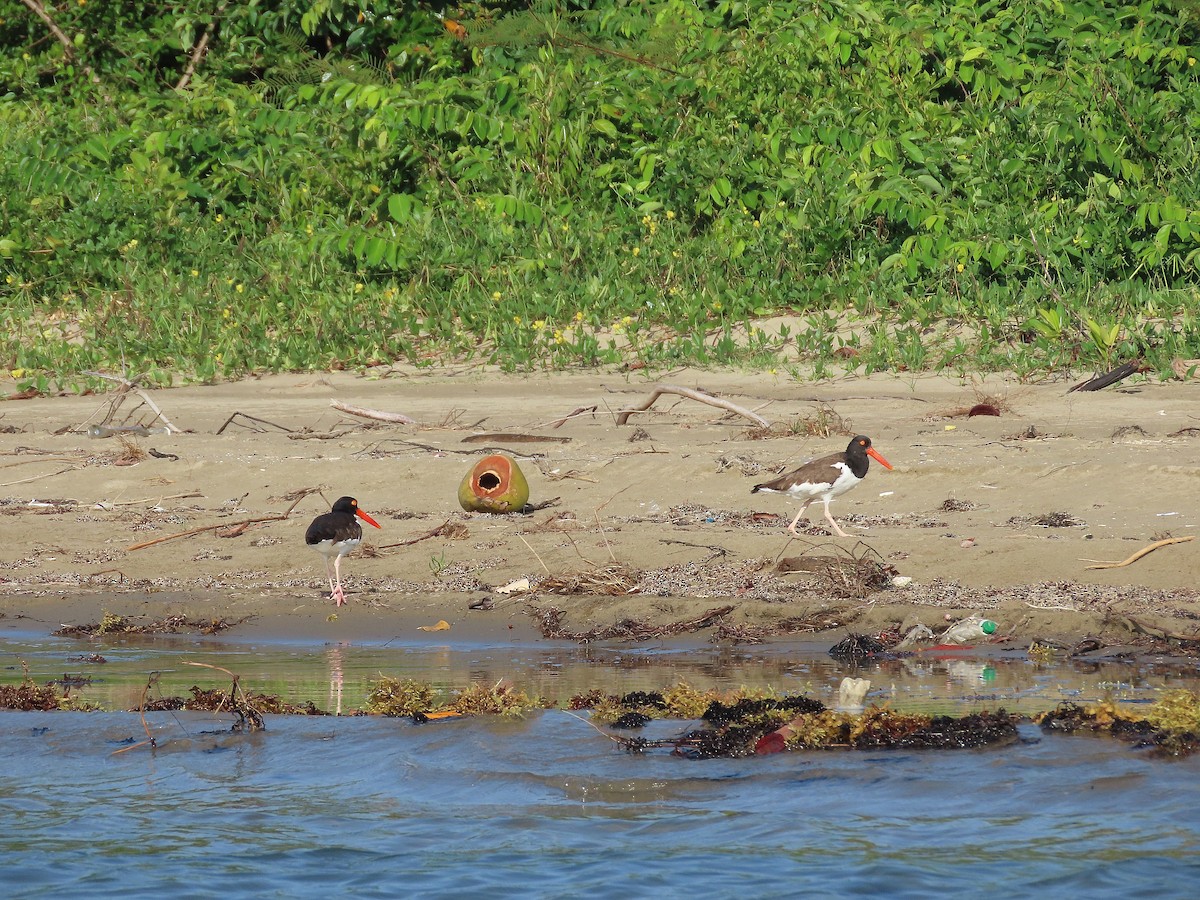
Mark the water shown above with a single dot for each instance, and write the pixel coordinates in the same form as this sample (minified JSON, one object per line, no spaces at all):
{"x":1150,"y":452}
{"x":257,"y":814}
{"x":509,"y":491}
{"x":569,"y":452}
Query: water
{"x":547,"y":806}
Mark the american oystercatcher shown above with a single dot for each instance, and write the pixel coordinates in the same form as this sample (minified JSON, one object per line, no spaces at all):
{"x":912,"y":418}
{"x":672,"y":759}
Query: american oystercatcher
{"x":333,"y":535}
{"x":826,"y":478}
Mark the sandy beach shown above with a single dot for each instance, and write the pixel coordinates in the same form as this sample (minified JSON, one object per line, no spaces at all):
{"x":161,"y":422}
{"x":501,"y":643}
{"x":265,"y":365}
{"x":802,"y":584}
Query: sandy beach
{"x":650,"y":523}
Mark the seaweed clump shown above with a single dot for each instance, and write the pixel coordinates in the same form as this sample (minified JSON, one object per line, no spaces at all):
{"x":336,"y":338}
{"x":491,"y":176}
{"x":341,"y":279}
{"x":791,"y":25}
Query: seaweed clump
{"x":405,"y":697}
{"x":111,"y":623}
{"x":759,"y":725}
{"x":1171,"y":726}
{"x":857,"y":646}
{"x":29,"y":696}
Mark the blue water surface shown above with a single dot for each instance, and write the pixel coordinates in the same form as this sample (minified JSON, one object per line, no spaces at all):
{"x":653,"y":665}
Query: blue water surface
{"x":548,"y":806}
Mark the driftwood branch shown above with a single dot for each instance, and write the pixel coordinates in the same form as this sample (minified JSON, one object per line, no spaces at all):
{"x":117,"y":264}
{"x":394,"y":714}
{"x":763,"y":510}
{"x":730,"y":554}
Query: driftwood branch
{"x":365,"y":413}
{"x":127,"y":385}
{"x":1148,"y":549}
{"x":200,"y":49}
{"x":692,"y":394}
{"x":1120,"y":373}
{"x":254,"y":419}
{"x":37,"y":477}
{"x":432,"y":533}
{"x":1154,"y":631}
{"x":237,"y":527}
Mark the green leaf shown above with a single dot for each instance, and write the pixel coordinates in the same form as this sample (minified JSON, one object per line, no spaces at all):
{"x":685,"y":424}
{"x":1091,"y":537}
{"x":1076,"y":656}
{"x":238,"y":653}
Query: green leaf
{"x":400,"y":207}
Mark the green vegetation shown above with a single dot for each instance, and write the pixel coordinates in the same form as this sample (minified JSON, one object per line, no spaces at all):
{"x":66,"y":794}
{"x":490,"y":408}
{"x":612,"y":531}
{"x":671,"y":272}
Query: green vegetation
{"x":200,"y":191}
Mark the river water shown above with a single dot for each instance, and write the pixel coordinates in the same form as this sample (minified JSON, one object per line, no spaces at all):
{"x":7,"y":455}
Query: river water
{"x":547,"y":806}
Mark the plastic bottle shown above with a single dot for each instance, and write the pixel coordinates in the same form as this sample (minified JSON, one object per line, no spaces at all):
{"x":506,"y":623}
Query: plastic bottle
{"x":972,"y":628}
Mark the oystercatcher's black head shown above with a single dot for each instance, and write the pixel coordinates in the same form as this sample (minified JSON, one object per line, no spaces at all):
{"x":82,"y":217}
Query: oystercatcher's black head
{"x":860,"y":447}
{"x":349,"y":506}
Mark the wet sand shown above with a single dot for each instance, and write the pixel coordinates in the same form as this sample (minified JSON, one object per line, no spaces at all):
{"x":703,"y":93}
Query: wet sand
{"x":651,"y":522}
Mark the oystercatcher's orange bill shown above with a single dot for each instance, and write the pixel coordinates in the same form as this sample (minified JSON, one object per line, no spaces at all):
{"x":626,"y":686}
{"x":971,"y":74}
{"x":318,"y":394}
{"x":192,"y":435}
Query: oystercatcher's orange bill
{"x":871,"y":452}
{"x":362,"y":515}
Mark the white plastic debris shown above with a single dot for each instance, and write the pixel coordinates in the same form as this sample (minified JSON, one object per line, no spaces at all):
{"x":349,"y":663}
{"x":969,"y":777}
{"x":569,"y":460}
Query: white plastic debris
{"x":520,"y":586}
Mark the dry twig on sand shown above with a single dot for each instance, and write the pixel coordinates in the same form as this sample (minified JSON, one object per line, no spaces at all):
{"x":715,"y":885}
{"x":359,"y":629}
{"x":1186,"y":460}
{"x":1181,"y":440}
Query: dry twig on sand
{"x":1148,"y":549}
{"x":454,"y":531}
{"x":235,"y":528}
{"x":692,"y":394}
{"x":379,"y":415}
{"x":128,"y":386}
{"x":253,"y":419}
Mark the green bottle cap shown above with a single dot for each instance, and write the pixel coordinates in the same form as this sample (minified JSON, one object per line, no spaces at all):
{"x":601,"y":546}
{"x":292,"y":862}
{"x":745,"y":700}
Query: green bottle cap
{"x":988,"y":626}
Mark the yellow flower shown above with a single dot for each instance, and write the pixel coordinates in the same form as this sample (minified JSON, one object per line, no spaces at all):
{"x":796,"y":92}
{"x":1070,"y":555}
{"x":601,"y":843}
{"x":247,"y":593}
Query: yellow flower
{"x":637,"y":251}
{"x":539,"y":324}
{"x":17,"y":373}
{"x":195,"y":273}
{"x":358,"y":286}
{"x":626,"y":320}
{"x":308,"y":229}
{"x":558,"y":337}
{"x":566,"y":227}
{"x":516,"y":320}
{"x":960,"y":267}
{"x":9,"y":280}
{"x":579,"y":317}
{"x":495,"y":295}
{"x":220,"y":218}
{"x":226,"y":313}
{"x":240,"y":288}
{"x":1191,"y":61}
{"x":757,"y":224}
{"x":670,"y":213}
{"x":717,"y":306}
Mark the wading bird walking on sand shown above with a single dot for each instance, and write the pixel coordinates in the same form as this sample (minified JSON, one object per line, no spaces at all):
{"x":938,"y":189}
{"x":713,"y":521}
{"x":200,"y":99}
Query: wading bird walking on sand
{"x":333,"y":535}
{"x":825,"y":478}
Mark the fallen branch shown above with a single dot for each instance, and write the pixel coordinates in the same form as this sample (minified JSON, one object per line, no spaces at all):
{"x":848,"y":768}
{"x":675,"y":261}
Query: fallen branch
{"x":509,"y":437}
{"x":127,"y":385}
{"x":1148,"y":549}
{"x":432,"y":533}
{"x":578,"y":411}
{"x":1120,"y":373}
{"x":692,"y":394}
{"x":36,"y":477}
{"x":1154,"y":631}
{"x":187,"y":496}
{"x":379,"y":415}
{"x":255,"y":419}
{"x":152,"y":681}
{"x":238,"y":527}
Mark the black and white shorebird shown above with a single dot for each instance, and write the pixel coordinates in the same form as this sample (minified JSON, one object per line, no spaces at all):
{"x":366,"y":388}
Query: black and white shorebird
{"x":333,"y":535}
{"x":825,"y":478}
